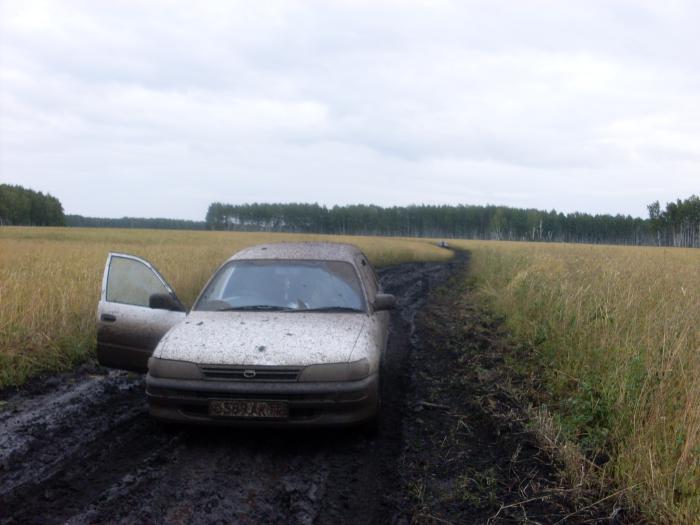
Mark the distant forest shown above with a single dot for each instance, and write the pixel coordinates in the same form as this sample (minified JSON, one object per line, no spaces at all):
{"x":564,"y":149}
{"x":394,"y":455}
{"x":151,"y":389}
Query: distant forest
{"x":134,"y":222}
{"x":676,"y":225}
{"x":22,"y":206}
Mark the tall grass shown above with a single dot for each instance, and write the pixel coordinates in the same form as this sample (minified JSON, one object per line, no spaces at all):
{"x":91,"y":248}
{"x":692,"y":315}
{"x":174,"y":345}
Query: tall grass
{"x":617,"y":330}
{"x":50,"y":281}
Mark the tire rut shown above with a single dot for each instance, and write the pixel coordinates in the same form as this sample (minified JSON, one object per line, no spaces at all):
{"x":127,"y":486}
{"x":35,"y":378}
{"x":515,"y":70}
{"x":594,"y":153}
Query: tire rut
{"x":43,"y":434}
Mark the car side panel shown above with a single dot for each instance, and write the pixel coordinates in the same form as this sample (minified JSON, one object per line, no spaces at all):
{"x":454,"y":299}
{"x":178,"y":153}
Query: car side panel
{"x":378,"y":330}
{"x":127,"y":341}
{"x":383,"y":327}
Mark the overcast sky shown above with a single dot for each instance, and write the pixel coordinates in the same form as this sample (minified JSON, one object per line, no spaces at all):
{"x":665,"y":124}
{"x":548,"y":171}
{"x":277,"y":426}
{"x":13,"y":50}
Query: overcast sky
{"x":160,"y":108}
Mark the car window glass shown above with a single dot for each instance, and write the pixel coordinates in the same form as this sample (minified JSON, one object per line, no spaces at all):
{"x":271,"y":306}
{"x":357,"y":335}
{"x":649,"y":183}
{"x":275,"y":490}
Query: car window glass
{"x":373,"y":275}
{"x":131,"y":282}
{"x":297,"y":285}
{"x":368,"y":274}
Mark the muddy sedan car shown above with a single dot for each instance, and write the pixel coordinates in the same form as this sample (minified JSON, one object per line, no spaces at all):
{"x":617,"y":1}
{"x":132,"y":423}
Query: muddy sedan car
{"x":282,"y":334}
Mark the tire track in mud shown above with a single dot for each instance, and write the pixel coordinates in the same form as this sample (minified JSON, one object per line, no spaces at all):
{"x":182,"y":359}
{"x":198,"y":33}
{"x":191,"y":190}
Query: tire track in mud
{"x":63,"y":447}
{"x":87,"y":452}
{"x":42,"y":434}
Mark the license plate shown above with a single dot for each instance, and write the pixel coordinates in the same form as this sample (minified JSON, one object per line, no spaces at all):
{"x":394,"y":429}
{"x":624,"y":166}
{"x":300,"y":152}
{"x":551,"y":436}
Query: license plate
{"x":245,"y":408}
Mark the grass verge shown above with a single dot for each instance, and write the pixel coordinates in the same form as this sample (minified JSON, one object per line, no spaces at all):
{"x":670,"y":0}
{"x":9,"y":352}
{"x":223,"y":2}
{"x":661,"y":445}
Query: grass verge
{"x":615,"y":333}
{"x":471,"y":454}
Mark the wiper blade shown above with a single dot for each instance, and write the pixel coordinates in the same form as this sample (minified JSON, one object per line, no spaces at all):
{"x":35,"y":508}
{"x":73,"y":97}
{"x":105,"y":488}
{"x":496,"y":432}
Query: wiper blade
{"x":333,"y":309}
{"x":255,"y":307}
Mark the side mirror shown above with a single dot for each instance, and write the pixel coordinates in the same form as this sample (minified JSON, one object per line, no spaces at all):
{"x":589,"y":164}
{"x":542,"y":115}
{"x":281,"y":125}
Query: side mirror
{"x":164,"y":301}
{"x":384,"y":301}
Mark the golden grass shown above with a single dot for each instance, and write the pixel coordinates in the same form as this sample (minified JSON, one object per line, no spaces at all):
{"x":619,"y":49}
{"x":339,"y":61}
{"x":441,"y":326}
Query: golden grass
{"x":618,"y":333}
{"x":50,"y":281}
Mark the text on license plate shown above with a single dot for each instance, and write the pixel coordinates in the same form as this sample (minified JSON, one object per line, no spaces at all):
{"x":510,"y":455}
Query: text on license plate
{"x":248,"y":408}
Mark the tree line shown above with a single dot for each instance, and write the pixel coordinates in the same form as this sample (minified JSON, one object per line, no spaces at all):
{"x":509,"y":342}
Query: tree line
{"x":677,"y":225}
{"x":24,"y":207}
{"x":157,"y":223}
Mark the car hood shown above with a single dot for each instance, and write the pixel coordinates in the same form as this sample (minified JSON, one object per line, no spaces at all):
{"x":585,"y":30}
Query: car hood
{"x":263,"y":338}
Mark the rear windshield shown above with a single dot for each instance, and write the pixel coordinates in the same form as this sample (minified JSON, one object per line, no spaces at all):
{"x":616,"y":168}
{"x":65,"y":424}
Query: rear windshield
{"x":284,"y":285}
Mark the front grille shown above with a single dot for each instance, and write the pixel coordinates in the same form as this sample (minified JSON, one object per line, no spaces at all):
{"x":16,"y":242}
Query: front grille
{"x":240,"y":373}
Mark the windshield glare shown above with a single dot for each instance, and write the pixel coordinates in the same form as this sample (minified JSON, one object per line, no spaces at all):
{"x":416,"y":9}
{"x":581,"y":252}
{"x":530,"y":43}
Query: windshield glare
{"x":283,"y":285}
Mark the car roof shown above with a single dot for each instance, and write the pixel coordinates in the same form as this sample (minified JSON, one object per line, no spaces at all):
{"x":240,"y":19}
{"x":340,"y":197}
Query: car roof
{"x":324,"y":251}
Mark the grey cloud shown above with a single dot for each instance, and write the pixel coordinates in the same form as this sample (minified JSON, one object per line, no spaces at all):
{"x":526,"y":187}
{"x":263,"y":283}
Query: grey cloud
{"x":389,"y":102}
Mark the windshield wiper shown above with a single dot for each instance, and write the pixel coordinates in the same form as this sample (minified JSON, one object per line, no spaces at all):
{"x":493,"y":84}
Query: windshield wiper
{"x":255,"y":307}
{"x":333,"y":309}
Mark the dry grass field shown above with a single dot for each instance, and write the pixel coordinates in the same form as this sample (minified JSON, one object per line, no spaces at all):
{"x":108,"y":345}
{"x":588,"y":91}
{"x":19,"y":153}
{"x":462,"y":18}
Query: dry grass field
{"x":617,"y":331}
{"x":50,"y":281}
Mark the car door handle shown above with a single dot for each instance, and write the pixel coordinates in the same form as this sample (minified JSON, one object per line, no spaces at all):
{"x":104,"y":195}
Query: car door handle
{"x":109,"y":318}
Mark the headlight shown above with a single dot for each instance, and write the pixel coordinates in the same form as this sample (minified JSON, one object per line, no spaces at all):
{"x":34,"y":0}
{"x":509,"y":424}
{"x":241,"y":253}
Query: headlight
{"x":336,"y":371}
{"x":171,"y":369}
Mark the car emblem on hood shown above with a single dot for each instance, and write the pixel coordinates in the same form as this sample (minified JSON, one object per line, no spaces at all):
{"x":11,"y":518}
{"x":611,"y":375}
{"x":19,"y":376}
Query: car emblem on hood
{"x":249,"y":374}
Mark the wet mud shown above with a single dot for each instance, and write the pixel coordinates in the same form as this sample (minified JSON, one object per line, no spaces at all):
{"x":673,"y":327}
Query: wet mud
{"x":470,"y":453}
{"x":81,"y":448}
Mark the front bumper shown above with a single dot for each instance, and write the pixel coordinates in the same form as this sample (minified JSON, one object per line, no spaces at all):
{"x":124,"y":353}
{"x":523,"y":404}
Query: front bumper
{"x":310,"y":404}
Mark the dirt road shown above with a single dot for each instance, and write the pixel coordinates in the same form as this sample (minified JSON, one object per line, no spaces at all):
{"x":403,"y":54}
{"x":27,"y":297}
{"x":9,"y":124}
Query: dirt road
{"x":80,"y":448}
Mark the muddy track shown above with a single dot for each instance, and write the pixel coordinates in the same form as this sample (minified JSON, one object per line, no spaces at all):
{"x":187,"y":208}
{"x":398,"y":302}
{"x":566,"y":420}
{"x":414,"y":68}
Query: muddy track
{"x":80,"y":448}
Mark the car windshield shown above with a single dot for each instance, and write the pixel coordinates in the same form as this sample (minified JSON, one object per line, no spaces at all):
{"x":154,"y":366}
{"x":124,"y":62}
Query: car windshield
{"x":284,"y":285}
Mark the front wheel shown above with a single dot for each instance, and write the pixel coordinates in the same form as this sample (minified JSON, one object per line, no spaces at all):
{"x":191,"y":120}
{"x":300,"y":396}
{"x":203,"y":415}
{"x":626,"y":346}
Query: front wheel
{"x":371,"y":426}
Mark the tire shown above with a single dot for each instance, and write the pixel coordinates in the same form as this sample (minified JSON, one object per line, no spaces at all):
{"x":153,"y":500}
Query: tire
{"x":371,"y":426}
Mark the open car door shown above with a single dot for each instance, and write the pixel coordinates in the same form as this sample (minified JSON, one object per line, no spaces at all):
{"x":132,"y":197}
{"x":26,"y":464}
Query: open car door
{"x":136,"y":308}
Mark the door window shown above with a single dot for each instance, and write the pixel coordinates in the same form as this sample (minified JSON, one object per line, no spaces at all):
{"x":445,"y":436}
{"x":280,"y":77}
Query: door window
{"x":131,"y":282}
{"x":369,"y":277}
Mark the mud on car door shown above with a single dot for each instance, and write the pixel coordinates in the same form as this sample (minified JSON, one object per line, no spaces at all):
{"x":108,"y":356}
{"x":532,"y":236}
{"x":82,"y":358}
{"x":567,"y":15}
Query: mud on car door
{"x":137,"y":307}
